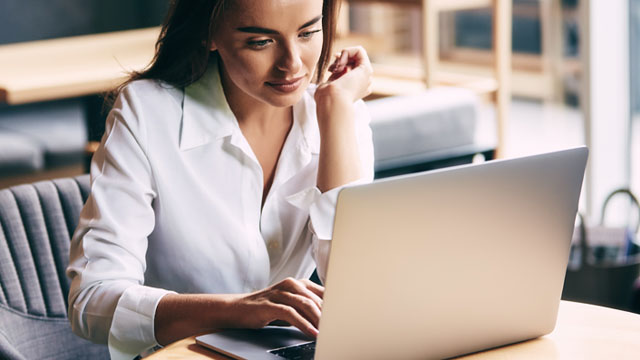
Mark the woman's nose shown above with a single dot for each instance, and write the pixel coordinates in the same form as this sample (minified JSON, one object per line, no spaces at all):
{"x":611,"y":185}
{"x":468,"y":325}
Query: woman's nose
{"x":290,"y":61}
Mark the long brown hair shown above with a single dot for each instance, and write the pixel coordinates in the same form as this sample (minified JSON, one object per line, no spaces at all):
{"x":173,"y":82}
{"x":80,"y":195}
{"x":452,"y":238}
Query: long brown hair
{"x":182,"y":50}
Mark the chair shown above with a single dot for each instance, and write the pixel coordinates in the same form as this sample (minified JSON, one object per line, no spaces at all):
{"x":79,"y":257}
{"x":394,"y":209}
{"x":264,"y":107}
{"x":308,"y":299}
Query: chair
{"x":37,"y":221}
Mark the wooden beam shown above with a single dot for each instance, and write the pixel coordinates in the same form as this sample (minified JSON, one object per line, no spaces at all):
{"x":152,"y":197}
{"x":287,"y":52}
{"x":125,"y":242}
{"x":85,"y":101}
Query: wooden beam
{"x":430,"y":44}
{"x":502,"y":67}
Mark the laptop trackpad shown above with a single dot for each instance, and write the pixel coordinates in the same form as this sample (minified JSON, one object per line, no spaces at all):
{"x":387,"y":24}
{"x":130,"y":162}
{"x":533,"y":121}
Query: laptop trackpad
{"x":253,"y":344}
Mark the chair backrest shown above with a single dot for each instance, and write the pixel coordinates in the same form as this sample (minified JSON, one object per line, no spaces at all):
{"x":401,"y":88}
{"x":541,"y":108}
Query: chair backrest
{"x":36,"y":223}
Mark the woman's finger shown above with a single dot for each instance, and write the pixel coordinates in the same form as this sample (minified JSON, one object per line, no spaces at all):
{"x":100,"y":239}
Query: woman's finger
{"x":342,"y":62}
{"x":290,"y":315}
{"x":306,"y":292}
{"x":301,"y":287}
{"x":336,"y":75}
{"x":356,"y":55}
{"x":302,"y":304}
{"x":313,"y":287}
{"x":339,"y":64}
{"x":350,"y":59}
{"x":333,"y":65}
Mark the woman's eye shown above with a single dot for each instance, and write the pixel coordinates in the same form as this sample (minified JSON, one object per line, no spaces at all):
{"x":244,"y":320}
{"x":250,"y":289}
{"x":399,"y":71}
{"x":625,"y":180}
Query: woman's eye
{"x":258,"y":44}
{"x":308,"y":34}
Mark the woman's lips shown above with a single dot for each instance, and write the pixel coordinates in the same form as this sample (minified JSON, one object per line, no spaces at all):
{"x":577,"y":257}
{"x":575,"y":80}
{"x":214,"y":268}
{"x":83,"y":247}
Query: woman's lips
{"x":286,"y":86}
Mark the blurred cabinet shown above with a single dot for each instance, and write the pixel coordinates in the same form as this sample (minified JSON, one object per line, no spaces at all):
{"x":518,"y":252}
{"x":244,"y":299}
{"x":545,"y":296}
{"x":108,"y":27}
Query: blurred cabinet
{"x":545,"y":59}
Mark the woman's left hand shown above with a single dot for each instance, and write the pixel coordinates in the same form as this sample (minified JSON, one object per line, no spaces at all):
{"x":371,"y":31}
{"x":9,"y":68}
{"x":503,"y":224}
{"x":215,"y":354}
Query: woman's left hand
{"x":351,"y":76}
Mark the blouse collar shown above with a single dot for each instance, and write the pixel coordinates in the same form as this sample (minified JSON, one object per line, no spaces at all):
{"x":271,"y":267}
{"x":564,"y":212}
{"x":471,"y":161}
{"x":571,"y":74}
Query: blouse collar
{"x":206,"y":114}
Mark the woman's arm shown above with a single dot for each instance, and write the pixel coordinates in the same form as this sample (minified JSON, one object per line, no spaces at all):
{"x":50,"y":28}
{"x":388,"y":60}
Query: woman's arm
{"x":107,"y":301}
{"x":350,"y":81}
{"x":295,"y":302}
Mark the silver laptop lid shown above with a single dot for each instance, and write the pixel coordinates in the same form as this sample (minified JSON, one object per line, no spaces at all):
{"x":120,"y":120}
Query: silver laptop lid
{"x":451,"y":261}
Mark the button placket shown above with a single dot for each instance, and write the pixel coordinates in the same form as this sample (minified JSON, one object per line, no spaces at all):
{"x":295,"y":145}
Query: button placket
{"x":250,"y":196}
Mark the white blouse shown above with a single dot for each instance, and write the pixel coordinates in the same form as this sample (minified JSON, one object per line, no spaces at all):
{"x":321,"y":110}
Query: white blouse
{"x":175,"y":206}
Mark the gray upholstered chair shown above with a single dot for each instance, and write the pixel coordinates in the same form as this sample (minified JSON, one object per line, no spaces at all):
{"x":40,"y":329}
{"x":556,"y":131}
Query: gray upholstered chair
{"x":36,"y":222}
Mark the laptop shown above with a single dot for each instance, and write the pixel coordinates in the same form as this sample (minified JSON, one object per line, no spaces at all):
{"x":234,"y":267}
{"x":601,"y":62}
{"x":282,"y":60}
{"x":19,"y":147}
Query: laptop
{"x":439,"y":264}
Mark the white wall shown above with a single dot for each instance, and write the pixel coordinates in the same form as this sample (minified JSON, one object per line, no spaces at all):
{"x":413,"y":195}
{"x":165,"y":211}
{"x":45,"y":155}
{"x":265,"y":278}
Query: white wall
{"x":606,"y":98}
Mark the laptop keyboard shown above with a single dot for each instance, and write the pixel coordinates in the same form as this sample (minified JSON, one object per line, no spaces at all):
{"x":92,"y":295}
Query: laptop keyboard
{"x":303,"y":351}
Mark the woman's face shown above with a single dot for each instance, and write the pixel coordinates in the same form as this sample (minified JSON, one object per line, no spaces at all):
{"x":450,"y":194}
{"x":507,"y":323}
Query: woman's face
{"x":269,"y":49}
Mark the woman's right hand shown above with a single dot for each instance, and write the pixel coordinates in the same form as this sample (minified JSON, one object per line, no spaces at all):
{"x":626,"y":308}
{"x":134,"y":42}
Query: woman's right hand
{"x":291,"y":301}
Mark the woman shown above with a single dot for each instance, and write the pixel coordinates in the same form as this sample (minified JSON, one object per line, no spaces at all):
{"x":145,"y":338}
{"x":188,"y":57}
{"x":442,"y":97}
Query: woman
{"x":215,"y":184}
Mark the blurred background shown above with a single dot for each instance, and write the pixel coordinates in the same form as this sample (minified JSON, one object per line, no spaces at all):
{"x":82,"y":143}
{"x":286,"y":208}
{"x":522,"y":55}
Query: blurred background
{"x":574,"y":73}
{"x":539,"y":75}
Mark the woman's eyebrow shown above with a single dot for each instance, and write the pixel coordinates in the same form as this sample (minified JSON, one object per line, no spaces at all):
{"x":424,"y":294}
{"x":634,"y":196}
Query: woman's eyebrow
{"x":261,"y":30}
{"x":310,"y":22}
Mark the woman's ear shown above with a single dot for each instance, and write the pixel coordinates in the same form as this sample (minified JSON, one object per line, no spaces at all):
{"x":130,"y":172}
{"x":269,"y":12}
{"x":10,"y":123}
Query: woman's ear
{"x":213,"y":46}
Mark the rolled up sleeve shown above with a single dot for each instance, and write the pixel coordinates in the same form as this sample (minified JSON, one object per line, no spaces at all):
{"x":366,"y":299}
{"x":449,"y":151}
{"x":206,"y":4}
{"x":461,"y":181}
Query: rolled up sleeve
{"x":132,"y":328}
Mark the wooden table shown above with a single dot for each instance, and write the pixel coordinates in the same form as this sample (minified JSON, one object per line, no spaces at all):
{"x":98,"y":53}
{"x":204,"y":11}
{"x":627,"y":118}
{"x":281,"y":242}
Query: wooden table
{"x":582,"y":332}
{"x":72,"y":67}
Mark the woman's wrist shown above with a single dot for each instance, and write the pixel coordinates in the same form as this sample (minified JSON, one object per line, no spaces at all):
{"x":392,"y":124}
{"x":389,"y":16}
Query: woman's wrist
{"x":334,"y":113}
{"x":182,"y":315}
{"x":328,"y":95}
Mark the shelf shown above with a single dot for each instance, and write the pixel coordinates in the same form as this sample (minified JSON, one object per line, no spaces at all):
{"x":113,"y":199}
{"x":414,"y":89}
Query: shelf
{"x":438,"y":5}
{"x":71,"y":67}
{"x":403,"y":79}
{"x":383,"y":86}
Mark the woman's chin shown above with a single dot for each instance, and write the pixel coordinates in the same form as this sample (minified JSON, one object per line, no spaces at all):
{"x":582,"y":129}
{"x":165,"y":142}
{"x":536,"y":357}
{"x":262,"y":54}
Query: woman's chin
{"x":280,"y":99}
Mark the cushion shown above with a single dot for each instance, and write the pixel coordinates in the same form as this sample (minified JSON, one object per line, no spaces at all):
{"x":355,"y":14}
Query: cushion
{"x":412,"y":129}
{"x":19,"y":154}
{"x":59,"y":128}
